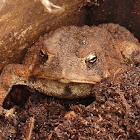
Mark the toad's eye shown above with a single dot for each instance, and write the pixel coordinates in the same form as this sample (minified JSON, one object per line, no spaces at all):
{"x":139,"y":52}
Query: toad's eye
{"x":91,"y":59}
{"x":44,"y":55}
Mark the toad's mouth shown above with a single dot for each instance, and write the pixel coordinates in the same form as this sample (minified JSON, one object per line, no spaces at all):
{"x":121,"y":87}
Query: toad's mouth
{"x":68,"y":81}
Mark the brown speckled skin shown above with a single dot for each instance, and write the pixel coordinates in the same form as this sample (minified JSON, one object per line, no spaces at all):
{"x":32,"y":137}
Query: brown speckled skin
{"x":56,"y":64}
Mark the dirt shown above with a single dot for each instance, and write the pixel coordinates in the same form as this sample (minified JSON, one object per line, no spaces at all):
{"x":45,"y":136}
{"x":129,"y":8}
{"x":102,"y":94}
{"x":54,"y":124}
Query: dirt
{"x":113,"y":112}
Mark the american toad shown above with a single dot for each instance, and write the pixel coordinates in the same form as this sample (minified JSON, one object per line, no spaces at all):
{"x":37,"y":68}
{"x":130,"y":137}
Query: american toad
{"x":66,"y":63}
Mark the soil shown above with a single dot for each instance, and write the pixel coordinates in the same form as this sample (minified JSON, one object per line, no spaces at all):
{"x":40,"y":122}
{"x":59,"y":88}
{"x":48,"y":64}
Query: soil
{"x":113,"y":112}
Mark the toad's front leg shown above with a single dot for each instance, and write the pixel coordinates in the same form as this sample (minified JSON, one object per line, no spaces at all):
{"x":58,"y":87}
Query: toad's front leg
{"x":11,"y":75}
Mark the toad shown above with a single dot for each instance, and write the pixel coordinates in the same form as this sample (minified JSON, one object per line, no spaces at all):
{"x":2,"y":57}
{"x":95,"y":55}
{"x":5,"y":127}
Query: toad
{"x":69,"y":61}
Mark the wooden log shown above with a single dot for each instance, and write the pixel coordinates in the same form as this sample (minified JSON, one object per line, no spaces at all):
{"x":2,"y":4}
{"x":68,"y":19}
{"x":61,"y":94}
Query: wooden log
{"x":123,"y":12}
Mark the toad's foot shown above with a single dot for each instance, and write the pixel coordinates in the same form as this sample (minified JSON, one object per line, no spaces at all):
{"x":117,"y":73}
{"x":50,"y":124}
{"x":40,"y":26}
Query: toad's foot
{"x":11,"y":75}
